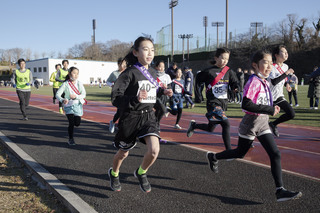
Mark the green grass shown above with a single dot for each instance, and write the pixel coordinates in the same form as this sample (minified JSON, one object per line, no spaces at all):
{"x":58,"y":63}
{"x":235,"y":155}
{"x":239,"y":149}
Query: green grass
{"x":304,"y":115}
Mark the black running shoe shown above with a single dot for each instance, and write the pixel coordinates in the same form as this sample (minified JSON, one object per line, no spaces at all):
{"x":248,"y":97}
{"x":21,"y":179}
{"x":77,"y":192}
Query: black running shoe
{"x":213,"y":164}
{"x":114,"y":182}
{"x":143,"y":181}
{"x":284,"y":195}
{"x":71,"y":142}
{"x":190,"y":130}
{"x":274,"y":129}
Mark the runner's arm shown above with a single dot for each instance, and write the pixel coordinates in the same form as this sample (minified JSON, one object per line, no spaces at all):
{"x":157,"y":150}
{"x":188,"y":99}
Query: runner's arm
{"x":277,"y":80}
{"x":248,"y":105}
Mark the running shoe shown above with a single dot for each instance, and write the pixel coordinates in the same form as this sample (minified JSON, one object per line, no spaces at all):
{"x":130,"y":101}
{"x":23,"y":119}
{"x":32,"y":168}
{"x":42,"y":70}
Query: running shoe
{"x":61,"y":111}
{"x":192,"y":106}
{"x":274,"y":129}
{"x":71,"y":142}
{"x":315,"y":108}
{"x":25,"y":118}
{"x":114,"y":182}
{"x":143,"y":181}
{"x":296,"y":105}
{"x":213,"y":164}
{"x":284,"y":195}
{"x":191,"y":128}
{"x":177,"y":126}
{"x":111,"y":126}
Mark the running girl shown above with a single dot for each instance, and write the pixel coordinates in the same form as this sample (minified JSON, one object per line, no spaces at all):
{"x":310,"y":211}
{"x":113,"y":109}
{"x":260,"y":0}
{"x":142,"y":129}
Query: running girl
{"x":135,"y":93}
{"x":177,"y":98}
{"x":257,"y":105}
{"x":217,"y":80}
{"x":74,"y":94}
{"x":278,"y":77}
{"x":22,"y":80}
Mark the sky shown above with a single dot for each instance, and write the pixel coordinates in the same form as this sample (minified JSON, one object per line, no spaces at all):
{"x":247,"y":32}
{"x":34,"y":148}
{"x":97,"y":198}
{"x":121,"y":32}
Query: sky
{"x":55,"y":26}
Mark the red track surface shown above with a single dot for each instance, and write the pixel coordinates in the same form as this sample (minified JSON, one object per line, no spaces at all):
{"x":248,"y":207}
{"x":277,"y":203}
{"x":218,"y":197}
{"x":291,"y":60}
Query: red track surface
{"x":299,"y":146}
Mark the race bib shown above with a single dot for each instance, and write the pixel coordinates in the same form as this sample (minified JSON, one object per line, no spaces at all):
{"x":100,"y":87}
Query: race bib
{"x":177,"y":88}
{"x":220,"y":91}
{"x":151,"y":90}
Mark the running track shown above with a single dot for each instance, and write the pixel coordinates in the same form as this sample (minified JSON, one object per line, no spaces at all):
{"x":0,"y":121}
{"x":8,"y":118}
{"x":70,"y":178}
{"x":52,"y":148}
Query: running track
{"x":299,"y":146}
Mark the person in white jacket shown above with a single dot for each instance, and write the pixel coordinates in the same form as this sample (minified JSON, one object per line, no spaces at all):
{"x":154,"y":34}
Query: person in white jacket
{"x":73,"y":100}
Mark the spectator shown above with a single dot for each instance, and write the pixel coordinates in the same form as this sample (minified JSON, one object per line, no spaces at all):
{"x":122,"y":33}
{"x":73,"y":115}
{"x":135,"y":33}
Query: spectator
{"x":292,"y":83}
{"x":171,"y":71}
{"x":240,"y":77}
{"x":188,"y":86}
{"x":314,"y":88}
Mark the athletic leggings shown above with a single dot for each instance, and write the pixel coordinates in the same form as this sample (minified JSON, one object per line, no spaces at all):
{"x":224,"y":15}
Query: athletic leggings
{"x":177,"y":112}
{"x":289,"y":112}
{"x":116,"y":116}
{"x":268,"y":143}
{"x":225,"y":130}
{"x":73,"y":121}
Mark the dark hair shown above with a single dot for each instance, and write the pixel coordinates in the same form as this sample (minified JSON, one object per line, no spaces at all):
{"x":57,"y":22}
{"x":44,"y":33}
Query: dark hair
{"x":158,"y":63}
{"x":69,"y":71}
{"x":257,"y":56}
{"x":130,"y":58}
{"x":219,"y":52}
{"x":20,"y":60}
{"x":276,"y":50}
{"x":58,"y":65}
{"x":120,"y":60}
{"x":65,"y":60}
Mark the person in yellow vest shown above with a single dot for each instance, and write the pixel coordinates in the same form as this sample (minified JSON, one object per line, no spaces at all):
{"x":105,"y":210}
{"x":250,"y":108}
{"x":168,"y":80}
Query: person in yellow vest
{"x":22,"y":80}
{"x":61,"y":77}
{"x":55,"y":85}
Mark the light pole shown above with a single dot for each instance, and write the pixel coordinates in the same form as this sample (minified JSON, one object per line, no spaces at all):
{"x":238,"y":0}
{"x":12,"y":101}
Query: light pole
{"x":172,"y":4}
{"x":182,"y":36}
{"x":217,"y":24}
{"x":226,"y":23}
{"x":256,"y":25}
{"x":94,"y":31}
{"x":188,"y":37}
{"x":205,"y":24}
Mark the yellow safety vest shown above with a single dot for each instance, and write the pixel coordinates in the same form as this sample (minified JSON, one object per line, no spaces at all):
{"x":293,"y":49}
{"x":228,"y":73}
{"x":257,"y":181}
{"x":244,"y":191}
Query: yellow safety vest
{"x":22,"y":79}
{"x":53,"y":79}
{"x":63,"y":75}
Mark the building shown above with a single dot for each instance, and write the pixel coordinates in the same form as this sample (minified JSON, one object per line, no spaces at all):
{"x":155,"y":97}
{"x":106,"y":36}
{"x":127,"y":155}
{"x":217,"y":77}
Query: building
{"x":89,"y":71}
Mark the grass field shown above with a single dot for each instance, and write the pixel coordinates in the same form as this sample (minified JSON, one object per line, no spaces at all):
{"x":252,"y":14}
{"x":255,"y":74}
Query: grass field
{"x":304,"y":115}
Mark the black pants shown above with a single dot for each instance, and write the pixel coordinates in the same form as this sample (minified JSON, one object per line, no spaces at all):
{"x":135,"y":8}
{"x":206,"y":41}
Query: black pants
{"x":54,"y":90}
{"x":285,"y":106}
{"x":116,"y":116}
{"x":73,"y":121}
{"x":24,"y":98}
{"x":225,"y":130}
{"x":60,"y":104}
{"x":268,"y":143}
{"x":294,"y":93}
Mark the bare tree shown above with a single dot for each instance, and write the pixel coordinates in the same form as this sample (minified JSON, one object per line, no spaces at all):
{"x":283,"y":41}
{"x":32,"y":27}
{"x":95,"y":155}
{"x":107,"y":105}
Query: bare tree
{"x":52,"y":54}
{"x":300,"y":33}
{"x":16,"y":53}
{"x":28,"y":53}
{"x":292,"y":23}
{"x":35,"y":55}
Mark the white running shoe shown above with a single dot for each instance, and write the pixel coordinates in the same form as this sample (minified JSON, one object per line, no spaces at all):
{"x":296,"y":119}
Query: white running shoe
{"x":177,"y":126}
{"x":111,"y":126}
